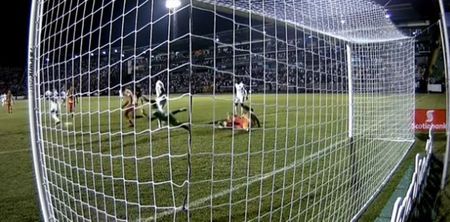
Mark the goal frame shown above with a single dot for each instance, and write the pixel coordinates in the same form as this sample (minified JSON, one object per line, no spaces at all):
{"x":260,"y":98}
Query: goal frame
{"x":35,"y":132}
{"x":36,"y":146}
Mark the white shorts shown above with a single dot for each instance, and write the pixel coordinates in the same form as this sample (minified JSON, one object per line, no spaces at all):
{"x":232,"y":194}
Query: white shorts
{"x":239,"y":100}
{"x":161,"y":103}
{"x":53,"y":107}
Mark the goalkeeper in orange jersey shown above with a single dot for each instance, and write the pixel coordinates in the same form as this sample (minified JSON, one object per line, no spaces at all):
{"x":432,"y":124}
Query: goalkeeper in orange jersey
{"x":129,"y":105}
{"x":9,"y":101}
{"x":245,"y":121}
{"x":71,"y":99}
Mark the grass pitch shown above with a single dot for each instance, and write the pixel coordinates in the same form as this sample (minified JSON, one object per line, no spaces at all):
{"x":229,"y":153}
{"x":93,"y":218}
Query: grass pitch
{"x":294,"y":168}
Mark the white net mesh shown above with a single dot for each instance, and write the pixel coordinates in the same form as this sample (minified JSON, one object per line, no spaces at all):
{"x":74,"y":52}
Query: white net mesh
{"x":140,"y":114}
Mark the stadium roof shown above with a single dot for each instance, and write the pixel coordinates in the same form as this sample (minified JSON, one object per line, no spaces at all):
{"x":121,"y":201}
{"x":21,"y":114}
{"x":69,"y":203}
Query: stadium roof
{"x":352,"y":20}
{"x":411,"y":12}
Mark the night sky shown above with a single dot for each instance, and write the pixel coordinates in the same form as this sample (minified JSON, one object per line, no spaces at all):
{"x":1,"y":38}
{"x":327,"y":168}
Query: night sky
{"x":14,"y":16}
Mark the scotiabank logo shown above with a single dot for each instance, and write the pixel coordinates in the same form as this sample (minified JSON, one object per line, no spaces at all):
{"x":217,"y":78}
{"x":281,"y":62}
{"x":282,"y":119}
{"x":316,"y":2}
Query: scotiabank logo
{"x":430,"y":116}
{"x":425,"y":118}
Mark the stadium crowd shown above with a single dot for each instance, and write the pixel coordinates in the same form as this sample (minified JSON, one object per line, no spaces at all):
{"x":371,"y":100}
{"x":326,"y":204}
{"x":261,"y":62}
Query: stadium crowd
{"x":275,"y":67}
{"x":269,"y":67}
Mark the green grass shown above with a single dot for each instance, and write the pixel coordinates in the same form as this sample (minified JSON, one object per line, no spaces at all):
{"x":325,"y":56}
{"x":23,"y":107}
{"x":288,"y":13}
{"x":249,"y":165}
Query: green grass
{"x":18,"y":196}
{"x":423,"y":101}
{"x":310,"y":161}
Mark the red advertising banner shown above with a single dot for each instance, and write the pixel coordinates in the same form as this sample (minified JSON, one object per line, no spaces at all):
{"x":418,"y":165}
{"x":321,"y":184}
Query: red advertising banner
{"x":427,"y":117}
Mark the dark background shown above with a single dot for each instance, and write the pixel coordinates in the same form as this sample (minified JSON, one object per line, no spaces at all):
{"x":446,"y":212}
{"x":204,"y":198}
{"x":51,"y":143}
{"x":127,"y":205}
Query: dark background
{"x":14,"y":17}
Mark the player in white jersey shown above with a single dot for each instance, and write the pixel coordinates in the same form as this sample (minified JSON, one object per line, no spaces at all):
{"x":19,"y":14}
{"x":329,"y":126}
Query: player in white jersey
{"x":63,"y":97}
{"x":3,"y":99}
{"x":55,"y":94}
{"x":54,"y":107}
{"x":240,"y":96}
{"x":120,"y":95}
{"x":47,"y":94}
{"x":161,"y":98}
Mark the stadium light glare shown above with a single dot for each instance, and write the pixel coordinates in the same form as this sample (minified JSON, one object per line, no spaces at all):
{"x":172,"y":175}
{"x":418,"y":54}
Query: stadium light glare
{"x":173,"y":4}
{"x":387,"y":15}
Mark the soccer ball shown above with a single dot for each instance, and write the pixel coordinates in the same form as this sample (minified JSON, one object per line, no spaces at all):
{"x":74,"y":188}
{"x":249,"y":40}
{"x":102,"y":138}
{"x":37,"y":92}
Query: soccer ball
{"x":48,"y":93}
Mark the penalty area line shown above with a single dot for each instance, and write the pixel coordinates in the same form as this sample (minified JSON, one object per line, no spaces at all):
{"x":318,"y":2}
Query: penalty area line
{"x":242,"y":185}
{"x":13,"y":151}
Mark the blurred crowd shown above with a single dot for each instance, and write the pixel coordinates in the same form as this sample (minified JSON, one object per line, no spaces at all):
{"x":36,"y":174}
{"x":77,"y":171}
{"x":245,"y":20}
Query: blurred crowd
{"x":271,"y":67}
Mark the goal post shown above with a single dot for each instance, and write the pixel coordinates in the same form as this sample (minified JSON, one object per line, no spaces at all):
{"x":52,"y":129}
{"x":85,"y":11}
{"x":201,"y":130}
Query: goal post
{"x":205,"y":110}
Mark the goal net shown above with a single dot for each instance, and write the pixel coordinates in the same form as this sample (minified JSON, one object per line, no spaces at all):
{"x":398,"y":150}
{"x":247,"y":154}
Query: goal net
{"x":216,"y":110}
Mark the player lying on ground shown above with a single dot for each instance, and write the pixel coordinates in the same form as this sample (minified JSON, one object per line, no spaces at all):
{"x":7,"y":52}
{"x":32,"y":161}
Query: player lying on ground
{"x":245,"y":121}
{"x":249,"y":111}
{"x":9,"y":101}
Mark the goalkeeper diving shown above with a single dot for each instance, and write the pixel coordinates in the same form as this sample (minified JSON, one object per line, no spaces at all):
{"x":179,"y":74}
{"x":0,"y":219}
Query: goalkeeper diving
{"x":246,"y":118}
{"x":246,"y":121}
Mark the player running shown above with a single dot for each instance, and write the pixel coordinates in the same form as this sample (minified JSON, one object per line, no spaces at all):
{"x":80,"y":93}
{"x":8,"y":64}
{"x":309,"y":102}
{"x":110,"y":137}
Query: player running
{"x":240,"y":97}
{"x":161,"y":99}
{"x":141,"y":101}
{"x":63,"y":96}
{"x":71,"y":99}
{"x":54,"y":107}
{"x":160,"y":113}
{"x":9,"y":101}
{"x":3,"y":99}
{"x":129,"y":105}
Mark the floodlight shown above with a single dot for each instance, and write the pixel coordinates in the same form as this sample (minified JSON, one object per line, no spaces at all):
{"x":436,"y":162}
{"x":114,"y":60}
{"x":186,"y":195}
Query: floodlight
{"x":173,"y":4}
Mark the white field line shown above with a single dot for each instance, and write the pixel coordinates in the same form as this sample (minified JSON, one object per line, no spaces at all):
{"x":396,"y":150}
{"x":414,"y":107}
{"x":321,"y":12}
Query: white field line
{"x":395,"y":140}
{"x":253,"y":180}
{"x":13,"y":151}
